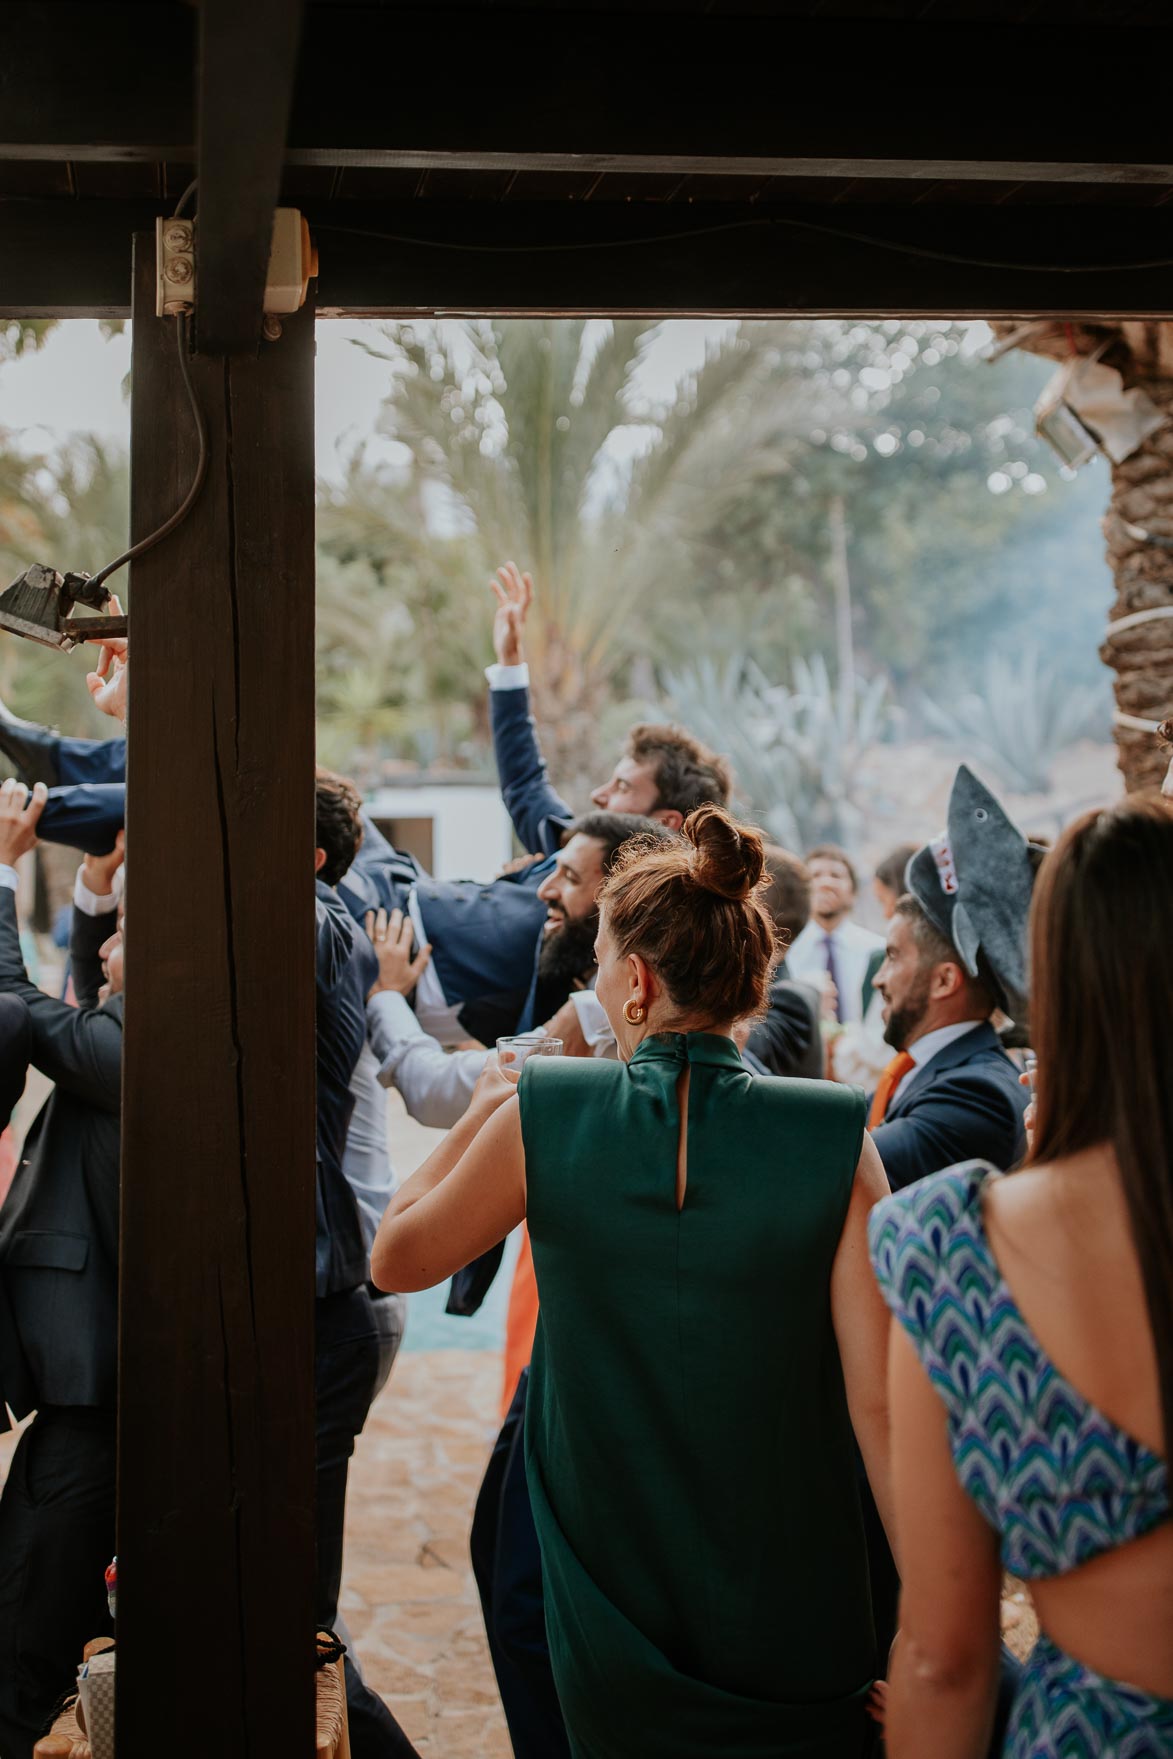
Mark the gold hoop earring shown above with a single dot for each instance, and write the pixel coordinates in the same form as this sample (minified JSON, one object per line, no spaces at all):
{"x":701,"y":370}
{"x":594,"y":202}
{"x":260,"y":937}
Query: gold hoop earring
{"x":633,"y":1013}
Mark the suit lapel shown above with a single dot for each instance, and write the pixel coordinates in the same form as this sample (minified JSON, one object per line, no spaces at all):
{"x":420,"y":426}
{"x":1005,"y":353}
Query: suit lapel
{"x":981,"y":1038}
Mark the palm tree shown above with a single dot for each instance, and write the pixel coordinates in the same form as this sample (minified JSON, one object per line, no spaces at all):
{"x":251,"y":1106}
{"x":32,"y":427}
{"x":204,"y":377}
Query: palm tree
{"x":1138,"y":528}
{"x":538,"y":444}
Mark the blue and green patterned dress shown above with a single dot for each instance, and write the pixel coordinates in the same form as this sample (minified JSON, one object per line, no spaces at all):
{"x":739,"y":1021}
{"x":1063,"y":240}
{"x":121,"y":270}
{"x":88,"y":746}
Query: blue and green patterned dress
{"x":1056,"y":1478}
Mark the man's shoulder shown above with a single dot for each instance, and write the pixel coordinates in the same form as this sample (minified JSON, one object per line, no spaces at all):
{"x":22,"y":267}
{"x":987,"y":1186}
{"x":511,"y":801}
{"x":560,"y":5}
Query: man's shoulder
{"x":974,"y":1060}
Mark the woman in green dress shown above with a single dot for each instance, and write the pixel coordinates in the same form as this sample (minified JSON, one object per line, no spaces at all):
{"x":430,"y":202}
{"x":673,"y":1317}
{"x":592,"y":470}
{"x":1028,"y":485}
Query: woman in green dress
{"x":710,"y":1334}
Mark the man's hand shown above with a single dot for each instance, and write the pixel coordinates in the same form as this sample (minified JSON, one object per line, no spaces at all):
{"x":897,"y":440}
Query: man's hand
{"x":398,"y":971}
{"x":97,"y":871}
{"x":514,"y":593}
{"x":518,"y":864}
{"x":565,"y":1026}
{"x":107,"y":683}
{"x":19,"y":813}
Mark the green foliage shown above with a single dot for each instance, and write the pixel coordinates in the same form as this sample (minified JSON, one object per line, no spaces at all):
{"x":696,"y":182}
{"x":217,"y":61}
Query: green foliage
{"x":796,"y":751}
{"x":70,"y":510}
{"x":1019,"y":716}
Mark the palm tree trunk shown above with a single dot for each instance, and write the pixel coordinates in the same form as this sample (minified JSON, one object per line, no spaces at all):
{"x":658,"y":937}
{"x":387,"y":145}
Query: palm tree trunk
{"x":1139,"y":532}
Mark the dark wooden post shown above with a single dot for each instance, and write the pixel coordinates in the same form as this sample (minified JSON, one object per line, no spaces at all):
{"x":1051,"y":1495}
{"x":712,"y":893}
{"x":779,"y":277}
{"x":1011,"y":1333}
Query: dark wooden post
{"x":216,"y":1486}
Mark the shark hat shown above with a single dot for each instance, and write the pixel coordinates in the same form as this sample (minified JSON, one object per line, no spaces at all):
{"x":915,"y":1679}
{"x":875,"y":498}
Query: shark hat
{"x":974,"y":884}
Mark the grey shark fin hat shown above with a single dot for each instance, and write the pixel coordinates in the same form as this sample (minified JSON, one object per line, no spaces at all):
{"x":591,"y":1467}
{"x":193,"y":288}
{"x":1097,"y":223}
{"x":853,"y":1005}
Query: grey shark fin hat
{"x":974,"y":884}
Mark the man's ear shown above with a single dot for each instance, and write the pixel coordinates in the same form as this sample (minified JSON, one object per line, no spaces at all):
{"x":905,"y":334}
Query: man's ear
{"x":319,"y":860}
{"x":948,"y":980}
{"x":668,"y":817}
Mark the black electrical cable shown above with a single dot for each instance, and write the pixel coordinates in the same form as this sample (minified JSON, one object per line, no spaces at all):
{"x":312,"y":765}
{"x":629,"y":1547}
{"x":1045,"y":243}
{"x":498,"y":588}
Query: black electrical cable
{"x":201,"y":470}
{"x":840,"y":232}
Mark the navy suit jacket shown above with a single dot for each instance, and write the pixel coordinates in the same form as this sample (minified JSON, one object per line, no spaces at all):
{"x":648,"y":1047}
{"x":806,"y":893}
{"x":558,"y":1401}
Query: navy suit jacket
{"x":964,"y":1104}
{"x":484,"y":936}
{"x":59,"y":1223}
{"x":539,"y":813}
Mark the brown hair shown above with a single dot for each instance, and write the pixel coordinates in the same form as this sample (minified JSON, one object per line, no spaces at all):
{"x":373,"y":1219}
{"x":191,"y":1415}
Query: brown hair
{"x":1102,"y":978}
{"x":687,"y":773}
{"x":693,"y":909}
{"x":890,"y":872}
{"x":832,"y":852}
{"x":788,"y":894}
{"x":935,"y":948}
{"x":338,"y":827}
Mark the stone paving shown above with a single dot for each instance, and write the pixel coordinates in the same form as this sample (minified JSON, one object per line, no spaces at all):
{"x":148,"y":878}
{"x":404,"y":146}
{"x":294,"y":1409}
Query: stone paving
{"x":408,"y":1593}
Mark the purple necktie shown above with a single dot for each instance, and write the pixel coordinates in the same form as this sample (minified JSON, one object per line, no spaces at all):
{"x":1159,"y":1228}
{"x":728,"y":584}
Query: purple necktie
{"x":834,"y":976}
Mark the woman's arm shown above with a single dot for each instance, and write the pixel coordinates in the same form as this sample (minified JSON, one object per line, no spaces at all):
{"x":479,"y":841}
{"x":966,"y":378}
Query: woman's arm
{"x":860,"y":1319}
{"x":944,"y":1677}
{"x":466,"y":1197}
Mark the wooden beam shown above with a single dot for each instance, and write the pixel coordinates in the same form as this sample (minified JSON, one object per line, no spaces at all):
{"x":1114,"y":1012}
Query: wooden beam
{"x":216,"y":1388}
{"x":248,"y":58}
{"x":69,"y":259}
{"x":897,"y":99}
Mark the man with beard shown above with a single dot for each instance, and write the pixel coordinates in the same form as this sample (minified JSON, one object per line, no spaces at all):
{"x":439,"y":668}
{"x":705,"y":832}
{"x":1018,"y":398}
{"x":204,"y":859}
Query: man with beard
{"x":436,"y":1087}
{"x":956,"y":951}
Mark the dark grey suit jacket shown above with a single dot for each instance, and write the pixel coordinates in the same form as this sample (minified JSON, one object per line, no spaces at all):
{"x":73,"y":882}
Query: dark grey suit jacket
{"x":59,"y":1223}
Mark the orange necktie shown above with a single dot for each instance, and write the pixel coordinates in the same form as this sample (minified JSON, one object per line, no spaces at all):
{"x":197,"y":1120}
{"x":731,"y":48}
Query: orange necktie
{"x":890,"y":1080}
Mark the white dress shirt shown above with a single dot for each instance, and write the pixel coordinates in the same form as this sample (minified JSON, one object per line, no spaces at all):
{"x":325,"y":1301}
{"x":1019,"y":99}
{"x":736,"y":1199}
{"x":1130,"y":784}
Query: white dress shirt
{"x":923,"y":1050}
{"x":436,"y":1084}
{"x":508,"y":677}
{"x":806,"y":959}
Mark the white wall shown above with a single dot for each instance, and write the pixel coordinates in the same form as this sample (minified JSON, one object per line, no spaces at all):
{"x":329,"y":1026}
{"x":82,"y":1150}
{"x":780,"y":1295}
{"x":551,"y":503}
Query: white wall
{"x":471,"y":833}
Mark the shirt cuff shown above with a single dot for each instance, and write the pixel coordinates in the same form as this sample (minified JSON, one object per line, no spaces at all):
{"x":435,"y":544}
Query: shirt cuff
{"x":90,"y":903}
{"x":508,"y":677}
{"x":9,"y":877}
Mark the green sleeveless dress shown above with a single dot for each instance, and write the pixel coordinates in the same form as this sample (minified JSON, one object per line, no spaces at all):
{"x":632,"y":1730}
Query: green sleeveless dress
{"x":689,"y":1453}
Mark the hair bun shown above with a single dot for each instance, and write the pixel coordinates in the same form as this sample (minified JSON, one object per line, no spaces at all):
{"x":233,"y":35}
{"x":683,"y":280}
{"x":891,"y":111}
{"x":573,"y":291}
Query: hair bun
{"x":728,"y":858}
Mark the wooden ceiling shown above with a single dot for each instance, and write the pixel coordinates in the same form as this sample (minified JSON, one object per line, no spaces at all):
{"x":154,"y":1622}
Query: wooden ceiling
{"x":944,"y":155}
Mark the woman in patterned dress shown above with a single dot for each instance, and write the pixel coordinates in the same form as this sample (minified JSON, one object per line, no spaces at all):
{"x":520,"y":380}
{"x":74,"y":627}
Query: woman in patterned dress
{"x":1031,"y":1374}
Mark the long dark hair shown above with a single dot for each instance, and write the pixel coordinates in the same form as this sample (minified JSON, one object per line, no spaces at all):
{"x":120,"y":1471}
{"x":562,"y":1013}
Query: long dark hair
{"x":1102,"y":992}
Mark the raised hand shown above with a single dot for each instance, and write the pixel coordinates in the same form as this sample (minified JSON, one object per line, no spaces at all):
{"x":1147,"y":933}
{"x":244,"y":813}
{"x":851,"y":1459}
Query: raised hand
{"x":107,"y":683}
{"x":392,"y":938}
{"x":514,"y":593}
{"x":19,"y":813}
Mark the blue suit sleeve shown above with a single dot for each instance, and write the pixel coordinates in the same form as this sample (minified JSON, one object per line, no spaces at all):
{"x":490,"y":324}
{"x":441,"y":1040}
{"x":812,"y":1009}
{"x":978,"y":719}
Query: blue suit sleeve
{"x":965,"y":1116}
{"x":539,"y":813}
{"x":87,"y":816}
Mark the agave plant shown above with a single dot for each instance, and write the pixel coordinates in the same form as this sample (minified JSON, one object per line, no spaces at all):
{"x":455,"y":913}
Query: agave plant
{"x":1018,"y":719}
{"x":796,"y":749}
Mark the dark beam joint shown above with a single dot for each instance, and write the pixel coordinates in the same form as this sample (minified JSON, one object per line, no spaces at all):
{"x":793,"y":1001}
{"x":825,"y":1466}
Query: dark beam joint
{"x":248,"y":59}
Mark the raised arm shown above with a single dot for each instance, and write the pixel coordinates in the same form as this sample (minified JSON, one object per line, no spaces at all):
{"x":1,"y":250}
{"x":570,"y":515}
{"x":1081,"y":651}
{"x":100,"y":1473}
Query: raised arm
{"x":860,"y":1319}
{"x":95,"y":917}
{"x":468,"y":1195}
{"x":539,"y":813}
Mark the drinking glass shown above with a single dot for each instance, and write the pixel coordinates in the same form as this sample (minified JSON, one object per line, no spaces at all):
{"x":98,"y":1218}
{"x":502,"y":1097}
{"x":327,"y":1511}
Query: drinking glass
{"x":513,"y":1050}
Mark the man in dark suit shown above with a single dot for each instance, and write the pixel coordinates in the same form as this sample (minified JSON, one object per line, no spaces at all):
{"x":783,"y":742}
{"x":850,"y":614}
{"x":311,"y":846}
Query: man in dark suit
{"x":59,"y":1270}
{"x":59,"y":1277}
{"x":952,"y":1093}
{"x":788,"y":1041}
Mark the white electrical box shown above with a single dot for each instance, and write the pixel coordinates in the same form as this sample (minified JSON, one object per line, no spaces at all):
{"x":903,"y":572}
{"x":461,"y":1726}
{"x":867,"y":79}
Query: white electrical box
{"x":293,"y":261}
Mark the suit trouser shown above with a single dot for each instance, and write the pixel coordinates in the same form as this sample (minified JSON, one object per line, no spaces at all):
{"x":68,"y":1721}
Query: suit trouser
{"x":57,"y":1531}
{"x":56,"y":1538}
{"x":358,"y":1334}
{"x":507,"y":1563}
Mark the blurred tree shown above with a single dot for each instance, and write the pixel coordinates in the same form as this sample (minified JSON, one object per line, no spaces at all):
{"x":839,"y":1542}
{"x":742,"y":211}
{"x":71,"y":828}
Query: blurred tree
{"x":403,"y":628}
{"x":68,"y":509}
{"x":958,"y":525}
{"x":540,"y":445}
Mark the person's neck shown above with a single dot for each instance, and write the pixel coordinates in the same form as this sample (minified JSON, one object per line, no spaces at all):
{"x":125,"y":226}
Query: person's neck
{"x":829,"y":924}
